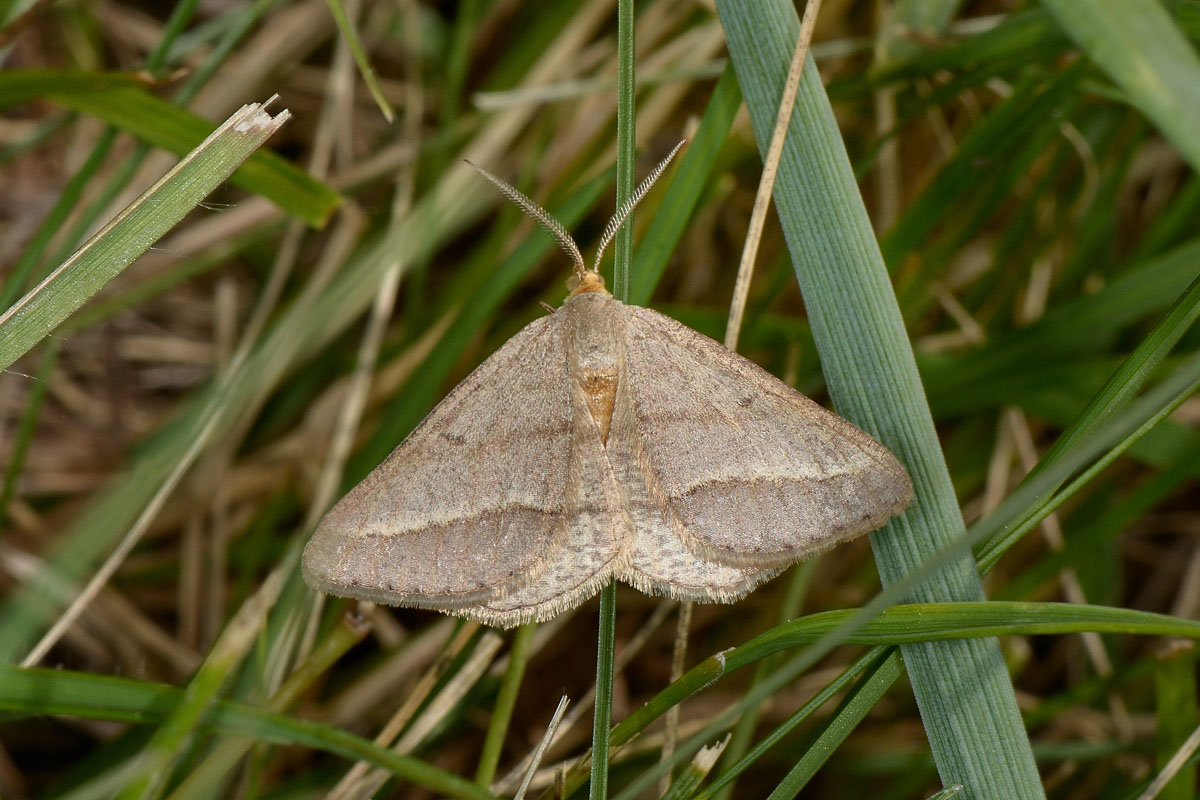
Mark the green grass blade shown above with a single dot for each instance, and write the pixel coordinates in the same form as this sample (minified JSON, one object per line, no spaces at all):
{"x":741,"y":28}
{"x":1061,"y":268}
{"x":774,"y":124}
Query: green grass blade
{"x":1035,"y":499}
{"x":518,"y":658}
{"x":131,"y":233}
{"x":181,"y":15}
{"x":686,"y":188}
{"x":852,"y":710}
{"x":102,"y":697}
{"x":966,"y":699}
{"x":1127,"y":381}
{"x":695,"y":772}
{"x":1140,"y":47}
{"x":104,"y":308}
{"x":220,"y":761}
{"x":933,"y":622}
{"x":868,"y":661}
{"x":606,"y":649}
{"x":626,"y":154}
{"x":346,"y":26}
{"x":123,"y":102}
{"x":1124,"y":384}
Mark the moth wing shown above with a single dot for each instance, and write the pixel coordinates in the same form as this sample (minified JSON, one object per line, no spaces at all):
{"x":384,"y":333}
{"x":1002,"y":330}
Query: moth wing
{"x":658,"y":561}
{"x":473,"y":502}
{"x":596,"y":541}
{"x":754,"y":473}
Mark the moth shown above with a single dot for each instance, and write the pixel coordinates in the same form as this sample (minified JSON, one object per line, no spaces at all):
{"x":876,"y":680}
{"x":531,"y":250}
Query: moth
{"x":603,"y":441}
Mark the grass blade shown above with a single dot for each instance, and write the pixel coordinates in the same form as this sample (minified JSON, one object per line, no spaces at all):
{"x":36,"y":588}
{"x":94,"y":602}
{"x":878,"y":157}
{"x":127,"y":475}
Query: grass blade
{"x":963,"y":689}
{"x":518,"y":657}
{"x":51,"y":691}
{"x":131,"y":233}
{"x":123,"y":102}
{"x":1139,"y":46}
{"x":852,"y":710}
{"x":346,"y":26}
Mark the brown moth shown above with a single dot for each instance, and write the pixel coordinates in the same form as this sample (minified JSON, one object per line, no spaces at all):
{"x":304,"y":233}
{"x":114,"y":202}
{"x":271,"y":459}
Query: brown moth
{"x":603,"y":441}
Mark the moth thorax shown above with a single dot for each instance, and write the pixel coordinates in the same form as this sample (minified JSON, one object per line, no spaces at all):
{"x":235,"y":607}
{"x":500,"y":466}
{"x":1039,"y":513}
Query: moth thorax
{"x":596,"y":327}
{"x":600,"y":389}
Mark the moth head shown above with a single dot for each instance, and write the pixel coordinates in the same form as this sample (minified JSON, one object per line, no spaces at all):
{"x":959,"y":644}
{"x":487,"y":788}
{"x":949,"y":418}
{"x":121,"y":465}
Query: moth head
{"x":584,"y":280}
{"x":589,"y":281}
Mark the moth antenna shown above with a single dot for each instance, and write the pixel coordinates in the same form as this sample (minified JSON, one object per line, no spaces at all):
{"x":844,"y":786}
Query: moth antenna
{"x":539,"y":215}
{"x":643,"y":188}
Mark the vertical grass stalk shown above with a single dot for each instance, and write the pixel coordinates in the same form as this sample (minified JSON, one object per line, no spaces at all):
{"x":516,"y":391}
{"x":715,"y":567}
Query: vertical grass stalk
{"x":622,"y":255}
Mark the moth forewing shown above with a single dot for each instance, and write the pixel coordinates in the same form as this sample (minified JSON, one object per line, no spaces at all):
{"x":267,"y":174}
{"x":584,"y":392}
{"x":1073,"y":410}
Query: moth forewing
{"x":454,"y":516}
{"x":753,"y":472}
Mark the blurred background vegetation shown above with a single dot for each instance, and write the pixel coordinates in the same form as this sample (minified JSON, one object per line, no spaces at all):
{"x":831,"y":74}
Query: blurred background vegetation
{"x":1030,"y":173}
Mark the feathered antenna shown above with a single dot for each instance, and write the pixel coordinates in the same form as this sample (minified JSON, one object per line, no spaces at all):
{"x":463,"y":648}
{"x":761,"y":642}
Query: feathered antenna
{"x":539,"y":215}
{"x":643,"y":188}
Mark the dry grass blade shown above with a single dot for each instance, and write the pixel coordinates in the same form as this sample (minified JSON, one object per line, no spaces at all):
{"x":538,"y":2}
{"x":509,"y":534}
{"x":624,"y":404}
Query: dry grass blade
{"x":118,"y":556}
{"x":535,"y":758}
{"x":678,"y":660}
{"x":1172,"y":767}
{"x":357,"y":777}
{"x":632,"y":648}
{"x":766,"y":183}
{"x":361,"y":782}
